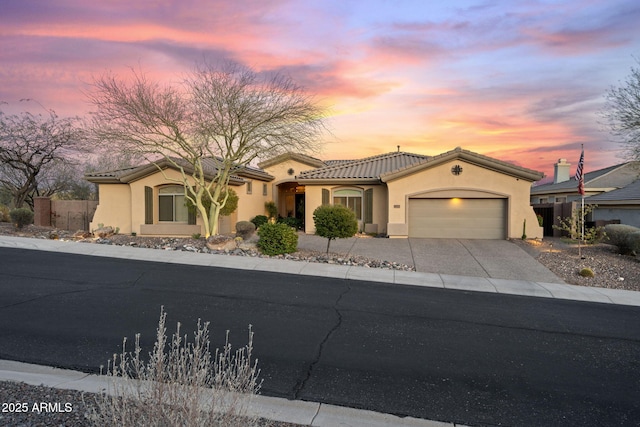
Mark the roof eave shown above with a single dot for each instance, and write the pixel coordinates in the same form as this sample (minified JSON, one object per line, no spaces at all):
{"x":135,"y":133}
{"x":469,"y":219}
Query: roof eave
{"x":473,"y":158}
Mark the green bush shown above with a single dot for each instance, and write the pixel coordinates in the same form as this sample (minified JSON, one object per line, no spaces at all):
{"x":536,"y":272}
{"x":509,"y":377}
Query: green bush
{"x":4,"y":214}
{"x":335,"y":222}
{"x":277,"y":239}
{"x":634,"y":242}
{"x":291,"y":222}
{"x":258,"y":220}
{"x":623,"y":236}
{"x":21,"y":217}
{"x":272,"y":209}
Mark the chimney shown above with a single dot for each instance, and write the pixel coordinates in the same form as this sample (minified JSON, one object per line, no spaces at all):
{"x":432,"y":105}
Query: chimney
{"x":561,"y":171}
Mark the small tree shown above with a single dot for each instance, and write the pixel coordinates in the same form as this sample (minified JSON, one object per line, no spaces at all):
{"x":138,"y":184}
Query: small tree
{"x":572,"y":225}
{"x":335,"y":222}
{"x":36,"y":154}
{"x":230,"y":115}
{"x":622,"y":112}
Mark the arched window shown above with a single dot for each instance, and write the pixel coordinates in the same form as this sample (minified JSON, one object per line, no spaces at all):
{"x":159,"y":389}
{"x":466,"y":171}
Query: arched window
{"x":171,"y":204}
{"x":351,"y":198}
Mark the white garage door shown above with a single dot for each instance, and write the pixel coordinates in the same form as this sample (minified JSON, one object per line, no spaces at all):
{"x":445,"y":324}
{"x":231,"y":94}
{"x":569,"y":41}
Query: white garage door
{"x":458,"y":218}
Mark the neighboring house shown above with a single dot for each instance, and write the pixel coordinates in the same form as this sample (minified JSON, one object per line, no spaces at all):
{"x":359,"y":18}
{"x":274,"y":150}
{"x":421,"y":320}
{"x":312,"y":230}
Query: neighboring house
{"x":458,"y":194}
{"x":622,"y":205}
{"x":602,"y":187}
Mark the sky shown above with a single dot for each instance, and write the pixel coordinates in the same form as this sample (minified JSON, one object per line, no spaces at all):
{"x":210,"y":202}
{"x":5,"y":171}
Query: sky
{"x":521,"y":81}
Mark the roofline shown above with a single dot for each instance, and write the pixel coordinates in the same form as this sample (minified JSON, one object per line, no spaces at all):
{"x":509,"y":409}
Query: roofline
{"x":471,"y":157}
{"x":574,"y":190}
{"x":301,"y":158}
{"x":332,"y":181}
{"x":613,"y":202}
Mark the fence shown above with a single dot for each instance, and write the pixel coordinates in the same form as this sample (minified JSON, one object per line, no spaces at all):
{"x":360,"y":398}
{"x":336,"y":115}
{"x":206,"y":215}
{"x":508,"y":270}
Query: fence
{"x":69,"y":215}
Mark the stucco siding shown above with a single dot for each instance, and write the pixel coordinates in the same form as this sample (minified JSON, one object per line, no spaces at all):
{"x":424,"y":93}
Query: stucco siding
{"x":114,"y":208}
{"x":474,"y":181}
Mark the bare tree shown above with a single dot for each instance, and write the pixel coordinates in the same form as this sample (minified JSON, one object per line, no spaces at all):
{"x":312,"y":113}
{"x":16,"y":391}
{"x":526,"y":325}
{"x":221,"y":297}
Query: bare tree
{"x":231,"y":115}
{"x":35,"y":152}
{"x":622,"y":112}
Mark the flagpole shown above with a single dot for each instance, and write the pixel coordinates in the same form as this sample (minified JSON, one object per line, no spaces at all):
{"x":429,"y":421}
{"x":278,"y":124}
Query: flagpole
{"x":580,"y":179}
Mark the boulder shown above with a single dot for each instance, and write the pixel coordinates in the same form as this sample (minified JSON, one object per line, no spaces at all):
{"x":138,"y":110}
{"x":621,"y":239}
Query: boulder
{"x":104,"y":232}
{"x":245,"y":229}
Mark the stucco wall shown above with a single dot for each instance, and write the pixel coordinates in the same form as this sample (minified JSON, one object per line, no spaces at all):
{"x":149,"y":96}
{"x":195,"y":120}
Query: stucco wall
{"x":114,"y":207}
{"x":313,"y":199}
{"x":474,"y":181}
{"x":123,"y":206}
{"x":279,"y":171}
{"x":629,"y":215}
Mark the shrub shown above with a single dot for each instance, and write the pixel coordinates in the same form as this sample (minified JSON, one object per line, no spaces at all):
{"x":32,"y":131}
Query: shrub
{"x":181,"y":384}
{"x":291,"y":222}
{"x":623,"y":236}
{"x":572,"y":225}
{"x":586,"y":272}
{"x":4,"y":214}
{"x":258,"y":220}
{"x":21,"y":217}
{"x":277,"y":239}
{"x":335,"y":221}
{"x":245,"y":229}
{"x":272,"y":209}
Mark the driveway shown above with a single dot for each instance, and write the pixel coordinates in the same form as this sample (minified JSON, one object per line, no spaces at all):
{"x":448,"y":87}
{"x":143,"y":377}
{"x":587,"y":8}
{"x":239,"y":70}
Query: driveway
{"x":497,"y":259}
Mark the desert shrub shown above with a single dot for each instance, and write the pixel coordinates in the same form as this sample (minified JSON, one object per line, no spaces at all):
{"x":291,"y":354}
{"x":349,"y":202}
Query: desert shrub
{"x":586,"y":272}
{"x":21,"y":217}
{"x":572,"y":225}
{"x":4,"y":214}
{"x":272,"y":209}
{"x":291,"y":222}
{"x":277,"y":239}
{"x":335,"y":222}
{"x":245,"y":229}
{"x":623,"y":236}
{"x":258,"y":220}
{"x":182,"y":383}
{"x":634,"y":242}
{"x":229,"y":207}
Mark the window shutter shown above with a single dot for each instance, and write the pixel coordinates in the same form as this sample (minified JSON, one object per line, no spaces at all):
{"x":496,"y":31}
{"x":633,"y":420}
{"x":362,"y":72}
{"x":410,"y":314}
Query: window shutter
{"x":368,"y":206}
{"x":191,"y":217}
{"x":325,"y":196}
{"x":148,"y":205}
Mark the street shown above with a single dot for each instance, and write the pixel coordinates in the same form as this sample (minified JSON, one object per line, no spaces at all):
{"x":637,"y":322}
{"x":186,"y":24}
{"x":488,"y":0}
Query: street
{"x":464,"y":357}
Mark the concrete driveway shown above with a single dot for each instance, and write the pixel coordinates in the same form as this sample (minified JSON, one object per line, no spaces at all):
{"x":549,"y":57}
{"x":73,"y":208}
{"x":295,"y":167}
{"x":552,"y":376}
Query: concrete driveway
{"x":498,"y":259}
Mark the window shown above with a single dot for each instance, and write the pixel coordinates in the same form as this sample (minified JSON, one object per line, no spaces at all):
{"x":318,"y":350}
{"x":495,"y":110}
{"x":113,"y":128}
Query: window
{"x":561,"y":200}
{"x":264,"y":189}
{"x":249,"y":187}
{"x":351,"y":199}
{"x":171,"y":204}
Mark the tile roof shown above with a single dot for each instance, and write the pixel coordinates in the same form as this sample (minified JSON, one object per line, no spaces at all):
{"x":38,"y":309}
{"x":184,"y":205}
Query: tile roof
{"x":209,"y":165}
{"x":629,"y":193}
{"x":591,"y":180}
{"x":368,"y":168}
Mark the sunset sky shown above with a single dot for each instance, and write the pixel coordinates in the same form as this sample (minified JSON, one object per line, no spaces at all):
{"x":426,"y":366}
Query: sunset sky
{"x":521,"y":81}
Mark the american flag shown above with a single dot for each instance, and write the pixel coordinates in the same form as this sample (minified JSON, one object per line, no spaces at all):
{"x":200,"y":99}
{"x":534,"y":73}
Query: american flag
{"x":579,"y":176}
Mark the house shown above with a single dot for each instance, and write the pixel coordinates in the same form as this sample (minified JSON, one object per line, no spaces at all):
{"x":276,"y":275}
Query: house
{"x":458,"y":194}
{"x":618,"y":206}
{"x":147,"y":201}
{"x":560,"y":197}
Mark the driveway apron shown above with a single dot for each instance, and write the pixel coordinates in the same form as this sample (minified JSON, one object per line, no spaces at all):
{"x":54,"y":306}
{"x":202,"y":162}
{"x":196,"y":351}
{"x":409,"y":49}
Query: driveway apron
{"x":494,"y":259}
{"x":497,"y":259}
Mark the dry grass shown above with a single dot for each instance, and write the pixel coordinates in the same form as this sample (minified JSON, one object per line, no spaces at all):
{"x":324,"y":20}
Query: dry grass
{"x":181,"y":384}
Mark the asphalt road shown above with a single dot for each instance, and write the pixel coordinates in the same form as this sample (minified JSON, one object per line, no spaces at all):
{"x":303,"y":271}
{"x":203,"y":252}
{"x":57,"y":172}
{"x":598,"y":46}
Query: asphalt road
{"x":464,"y":357}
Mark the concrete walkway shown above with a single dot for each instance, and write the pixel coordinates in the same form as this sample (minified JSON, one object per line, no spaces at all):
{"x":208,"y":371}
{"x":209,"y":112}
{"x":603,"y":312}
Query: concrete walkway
{"x":495,"y":264}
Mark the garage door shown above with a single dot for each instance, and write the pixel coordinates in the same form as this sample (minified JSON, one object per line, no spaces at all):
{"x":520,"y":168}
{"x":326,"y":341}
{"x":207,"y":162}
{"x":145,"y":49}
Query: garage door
{"x":458,"y":218}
